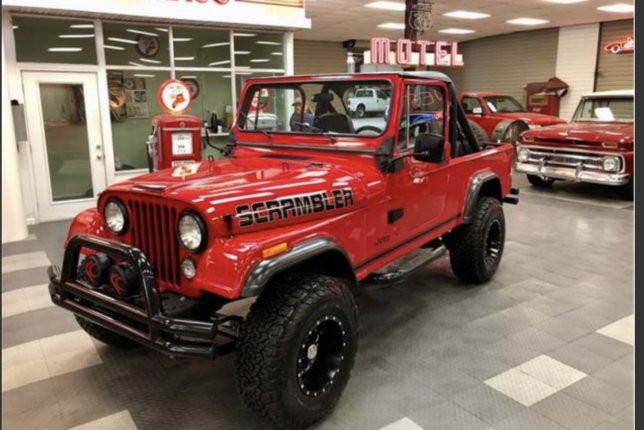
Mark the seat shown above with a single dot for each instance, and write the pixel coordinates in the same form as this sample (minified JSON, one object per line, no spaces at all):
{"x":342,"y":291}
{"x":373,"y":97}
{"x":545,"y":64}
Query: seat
{"x":336,"y":123}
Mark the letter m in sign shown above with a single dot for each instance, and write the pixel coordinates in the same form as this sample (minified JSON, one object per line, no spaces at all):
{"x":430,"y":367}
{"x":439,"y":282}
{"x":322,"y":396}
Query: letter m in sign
{"x":380,"y":49}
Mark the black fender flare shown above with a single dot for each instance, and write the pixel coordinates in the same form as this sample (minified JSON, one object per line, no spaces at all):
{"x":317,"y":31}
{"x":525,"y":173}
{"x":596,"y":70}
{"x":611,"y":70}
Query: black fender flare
{"x":502,"y":127}
{"x":477,"y":182}
{"x":260,"y":275}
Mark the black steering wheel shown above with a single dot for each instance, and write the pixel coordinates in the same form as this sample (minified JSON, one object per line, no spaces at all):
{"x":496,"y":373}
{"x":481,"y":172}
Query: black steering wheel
{"x":369,"y":128}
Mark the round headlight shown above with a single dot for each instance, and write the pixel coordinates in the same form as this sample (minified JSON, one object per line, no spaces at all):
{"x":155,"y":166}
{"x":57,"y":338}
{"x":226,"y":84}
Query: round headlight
{"x":192,"y":232}
{"x":115,"y":216}
{"x":611,"y":164}
{"x":523,"y":155}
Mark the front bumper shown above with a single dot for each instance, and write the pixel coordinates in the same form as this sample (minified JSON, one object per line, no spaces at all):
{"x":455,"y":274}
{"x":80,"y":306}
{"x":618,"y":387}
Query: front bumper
{"x":148,"y":325}
{"x":574,"y":174}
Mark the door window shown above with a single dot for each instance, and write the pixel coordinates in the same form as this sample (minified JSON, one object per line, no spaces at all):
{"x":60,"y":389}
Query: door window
{"x":423,"y":110}
{"x":472,"y":105}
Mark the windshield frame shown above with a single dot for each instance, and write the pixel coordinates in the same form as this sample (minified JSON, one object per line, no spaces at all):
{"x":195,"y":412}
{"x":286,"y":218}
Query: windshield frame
{"x":253,"y":86}
{"x":575,"y":117}
{"x":505,"y":96}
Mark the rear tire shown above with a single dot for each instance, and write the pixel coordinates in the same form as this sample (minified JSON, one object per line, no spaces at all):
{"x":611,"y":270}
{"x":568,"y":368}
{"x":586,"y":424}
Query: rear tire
{"x":479,"y":132}
{"x":360,"y":111}
{"x":540,"y":182}
{"x":296,"y":349}
{"x":104,"y":335}
{"x":475,"y":249}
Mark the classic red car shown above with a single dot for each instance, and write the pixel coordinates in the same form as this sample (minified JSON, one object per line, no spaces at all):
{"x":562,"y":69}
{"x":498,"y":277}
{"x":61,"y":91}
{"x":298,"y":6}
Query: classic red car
{"x":597,"y":146}
{"x":293,"y":217}
{"x":501,"y":116}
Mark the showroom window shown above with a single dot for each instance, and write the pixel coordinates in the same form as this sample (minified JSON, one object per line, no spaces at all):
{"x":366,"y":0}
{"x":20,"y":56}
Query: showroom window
{"x":47,"y":40}
{"x":136,"y":45}
{"x":259,"y":50}
{"x":200,"y":47}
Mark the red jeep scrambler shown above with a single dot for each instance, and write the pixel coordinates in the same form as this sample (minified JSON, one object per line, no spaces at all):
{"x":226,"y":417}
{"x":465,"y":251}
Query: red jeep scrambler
{"x":596,"y":147}
{"x":294,"y":218}
{"x":501,"y":116}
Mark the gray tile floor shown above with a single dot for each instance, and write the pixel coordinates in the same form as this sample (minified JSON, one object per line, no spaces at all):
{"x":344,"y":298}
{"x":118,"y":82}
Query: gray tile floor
{"x":548,"y":344}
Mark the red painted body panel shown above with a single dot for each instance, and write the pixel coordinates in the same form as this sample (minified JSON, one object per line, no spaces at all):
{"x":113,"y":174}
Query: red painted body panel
{"x":431,"y":195}
{"x":489,"y":120}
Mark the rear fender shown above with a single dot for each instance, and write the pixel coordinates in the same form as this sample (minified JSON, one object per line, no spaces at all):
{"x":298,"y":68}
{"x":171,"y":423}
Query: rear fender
{"x":484,"y":183}
{"x":502,"y":127}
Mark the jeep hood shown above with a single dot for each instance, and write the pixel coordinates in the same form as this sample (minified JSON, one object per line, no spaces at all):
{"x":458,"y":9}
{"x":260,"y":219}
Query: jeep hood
{"x":234,"y":187}
{"x":533,"y":118}
{"x":588,"y":134}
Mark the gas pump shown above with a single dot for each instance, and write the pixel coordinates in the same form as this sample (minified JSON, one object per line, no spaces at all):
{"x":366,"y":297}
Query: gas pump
{"x":175,"y":140}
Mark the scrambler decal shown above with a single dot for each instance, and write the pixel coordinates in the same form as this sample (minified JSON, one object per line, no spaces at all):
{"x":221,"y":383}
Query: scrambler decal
{"x":294,"y":206}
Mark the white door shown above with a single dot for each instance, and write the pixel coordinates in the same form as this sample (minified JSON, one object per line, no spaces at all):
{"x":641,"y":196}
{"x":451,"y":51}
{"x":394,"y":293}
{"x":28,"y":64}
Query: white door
{"x":64,"y":129}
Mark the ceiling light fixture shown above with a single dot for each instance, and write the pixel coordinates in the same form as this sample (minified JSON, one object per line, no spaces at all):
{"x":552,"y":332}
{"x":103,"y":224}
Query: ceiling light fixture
{"x":242,"y":52}
{"x":148,"y":60}
{"x":466,"y":15}
{"x":214,"y":45}
{"x":145,"y":33}
{"x":182,"y":39}
{"x":387,"y":5}
{"x":618,"y":8}
{"x":81,"y":26}
{"x":135,"y":64}
{"x":266,"y":42}
{"x":527,"y":21}
{"x":244,"y":34}
{"x":165,"y":30}
{"x":184,"y":58}
{"x":188,"y":77}
{"x":15,"y":27}
{"x":115,"y":48}
{"x":456,"y":31}
{"x":227,"y":76}
{"x":142,"y":75}
{"x":76,"y":36}
{"x":118,"y":39}
{"x":280,"y":54}
{"x":392,"y":26}
{"x":64,"y":49}
{"x":260,"y":60}
{"x":218,"y":63}
{"x":244,"y":73}
{"x":565,"y":1}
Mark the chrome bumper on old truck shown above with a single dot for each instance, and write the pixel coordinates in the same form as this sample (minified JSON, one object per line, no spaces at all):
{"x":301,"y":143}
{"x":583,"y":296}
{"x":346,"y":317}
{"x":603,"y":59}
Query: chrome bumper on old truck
{"x":579,"y":167}
{"x":147,"y":325}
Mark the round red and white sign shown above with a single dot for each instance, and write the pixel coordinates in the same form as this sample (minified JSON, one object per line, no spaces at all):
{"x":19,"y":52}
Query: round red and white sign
{"x":174,"y":96}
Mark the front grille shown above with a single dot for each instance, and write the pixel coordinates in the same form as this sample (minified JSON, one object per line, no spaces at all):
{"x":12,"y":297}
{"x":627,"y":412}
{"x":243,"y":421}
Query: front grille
{"x":152,"y":227}
{"x":568,"y":159}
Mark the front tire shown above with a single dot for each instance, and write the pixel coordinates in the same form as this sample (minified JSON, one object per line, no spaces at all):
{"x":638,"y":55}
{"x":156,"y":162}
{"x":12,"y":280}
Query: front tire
{"x":296,"y":349}
{"x":475,"y":249}
{"x":104,"y":335}
{"x":540,"y":182}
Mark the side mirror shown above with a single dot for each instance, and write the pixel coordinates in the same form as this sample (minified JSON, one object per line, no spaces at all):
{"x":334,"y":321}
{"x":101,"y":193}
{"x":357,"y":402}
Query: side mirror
{"x":477,"y":111}
{"x":429,"y":147}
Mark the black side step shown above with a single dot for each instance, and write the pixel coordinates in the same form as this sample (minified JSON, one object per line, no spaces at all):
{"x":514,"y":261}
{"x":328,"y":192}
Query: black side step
{"x":409,"y":266}
{"x":513,"y":197}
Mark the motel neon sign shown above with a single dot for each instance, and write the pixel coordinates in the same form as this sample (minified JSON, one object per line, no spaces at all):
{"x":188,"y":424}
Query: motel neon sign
{"x":427,"y":53}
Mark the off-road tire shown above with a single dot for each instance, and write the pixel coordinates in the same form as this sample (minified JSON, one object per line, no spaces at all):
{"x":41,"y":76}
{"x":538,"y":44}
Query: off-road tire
{"x":106,"y":336}
{"x":470,"y":245}
{"x":274,"y":336}
{"x":479,"y":132}
{"x":361,"y":111}
{"x":540,"y":182}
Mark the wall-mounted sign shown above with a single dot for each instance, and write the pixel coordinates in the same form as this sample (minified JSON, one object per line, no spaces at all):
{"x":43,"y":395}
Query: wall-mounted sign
{"x":623,"y":46}
{"x":438,"y":53}
{"x":174,"y":96}
{"x":147,"y":46}
{"x":419,"y":16}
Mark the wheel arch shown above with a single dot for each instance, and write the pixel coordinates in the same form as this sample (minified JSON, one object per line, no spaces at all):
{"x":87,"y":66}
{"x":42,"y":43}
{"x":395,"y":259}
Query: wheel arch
{"x":482,"y":184}
{"x":321,"y":255}
{"x":501,"y":128}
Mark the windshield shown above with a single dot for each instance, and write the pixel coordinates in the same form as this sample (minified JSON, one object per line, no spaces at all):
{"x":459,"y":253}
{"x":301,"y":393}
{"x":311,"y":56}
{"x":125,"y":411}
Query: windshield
{"x":330,"y":108}
{"x":605,"y":110}
{"x":503,"y":104}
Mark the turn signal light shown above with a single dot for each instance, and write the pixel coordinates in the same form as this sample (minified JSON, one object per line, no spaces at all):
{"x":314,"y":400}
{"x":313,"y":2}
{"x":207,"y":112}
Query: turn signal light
{"x":275,"y":250}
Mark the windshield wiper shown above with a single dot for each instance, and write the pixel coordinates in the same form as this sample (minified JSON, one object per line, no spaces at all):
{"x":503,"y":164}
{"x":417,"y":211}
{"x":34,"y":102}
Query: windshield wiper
{"x":326,"y":134}
{"x":264,"y":132}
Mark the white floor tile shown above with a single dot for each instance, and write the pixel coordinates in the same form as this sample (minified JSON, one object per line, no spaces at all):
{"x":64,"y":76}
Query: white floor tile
{"x":551,"y":372}
{"x":521,"y":387}
{"x":24,"y":261}
{"x":25,"y":299}
{"x":622,"y":330}
{"x":44,"y":358}
{"x":403,"y":424}
{"x":120,"y":420}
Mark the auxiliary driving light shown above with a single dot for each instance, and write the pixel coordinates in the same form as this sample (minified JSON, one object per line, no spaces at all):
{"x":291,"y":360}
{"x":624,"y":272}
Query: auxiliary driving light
{"x":94,"y":269}
{"x":188,"y":268}
{"x":124,"y":279}
{"x":523,"y":155}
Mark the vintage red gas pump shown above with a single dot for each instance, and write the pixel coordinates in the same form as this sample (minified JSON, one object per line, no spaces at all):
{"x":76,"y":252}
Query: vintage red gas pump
{"x":175,"y":138}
